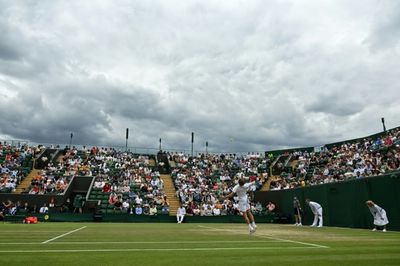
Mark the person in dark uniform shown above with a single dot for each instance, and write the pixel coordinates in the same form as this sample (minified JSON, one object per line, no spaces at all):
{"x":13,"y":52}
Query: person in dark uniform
{"x":297,"y":211}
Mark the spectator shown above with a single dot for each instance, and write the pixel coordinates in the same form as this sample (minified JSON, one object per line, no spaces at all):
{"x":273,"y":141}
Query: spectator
{"x":165,"y":205}
{"x":125,"y":206}
{"x":270,"y":207}
{"x":258,"y":208}
{"x":52,"y":205}
{"x":138,"y":210}
{"x":44,"y":209}
{"x":113,"y":198}
{"x":106,"y":188}
{"x":118,"y":204}
{"x":146,"y":209}
{"x":153,"y":210}
{"x":25,"y":208}
{"x":78,"y":203}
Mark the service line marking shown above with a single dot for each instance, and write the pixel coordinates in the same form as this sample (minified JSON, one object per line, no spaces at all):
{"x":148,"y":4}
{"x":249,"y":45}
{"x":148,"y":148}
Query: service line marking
{"x":67,"y":233}
{"x":266,"y":236}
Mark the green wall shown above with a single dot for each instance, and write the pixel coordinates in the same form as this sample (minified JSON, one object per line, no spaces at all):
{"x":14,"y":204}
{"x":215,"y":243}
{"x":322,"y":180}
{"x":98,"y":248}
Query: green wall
{"x":343,"y":203}
{"x":119,"y":218}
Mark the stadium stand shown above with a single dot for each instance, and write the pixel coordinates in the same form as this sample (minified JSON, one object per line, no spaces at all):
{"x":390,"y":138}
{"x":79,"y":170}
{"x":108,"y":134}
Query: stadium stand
{"x":200,"y":181}
{"x":15,"y":164}
{"x":123,"y":182}
{"x":363,"y":158}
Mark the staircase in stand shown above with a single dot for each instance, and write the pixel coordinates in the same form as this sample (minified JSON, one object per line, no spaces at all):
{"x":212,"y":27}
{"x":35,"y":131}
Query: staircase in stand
{"x":26,"y":182}
{"x":267,"y":183}
{"x":152,"y":163}
{"x":171,"y":194}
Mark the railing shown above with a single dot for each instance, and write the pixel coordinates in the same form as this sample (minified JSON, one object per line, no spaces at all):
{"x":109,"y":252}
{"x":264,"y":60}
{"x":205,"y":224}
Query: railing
{"x":137,"y":150}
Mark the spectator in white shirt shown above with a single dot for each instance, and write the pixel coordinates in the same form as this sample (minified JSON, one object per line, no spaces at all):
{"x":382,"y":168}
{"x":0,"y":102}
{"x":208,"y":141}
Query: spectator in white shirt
{"x":44,"y":209}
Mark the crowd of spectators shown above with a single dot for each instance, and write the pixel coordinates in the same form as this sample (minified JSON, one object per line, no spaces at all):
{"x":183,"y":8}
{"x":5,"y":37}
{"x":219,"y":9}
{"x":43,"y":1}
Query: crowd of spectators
{"x":57,"y":175}
{"x":9,"y":207}
{"x":133,"y":185}
{"x":363,"y":158}
{"x":200,"y":181}
{"x":12,"y":160}
{"x":130,"y":183}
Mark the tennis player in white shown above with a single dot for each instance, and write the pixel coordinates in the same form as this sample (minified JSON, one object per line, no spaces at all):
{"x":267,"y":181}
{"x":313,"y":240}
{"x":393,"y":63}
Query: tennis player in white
{"x":317,"y":210}
{"x":244,"y":206}
{"x":380,"y":217}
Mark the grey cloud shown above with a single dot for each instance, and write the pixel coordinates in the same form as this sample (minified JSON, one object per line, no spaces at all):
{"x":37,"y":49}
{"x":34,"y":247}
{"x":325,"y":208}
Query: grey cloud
{"x":385,"y":33}
{"x":7,"y":52}
{"x":10,"y":36}
{"x":253,"y":77}
{"x":338,"y":105}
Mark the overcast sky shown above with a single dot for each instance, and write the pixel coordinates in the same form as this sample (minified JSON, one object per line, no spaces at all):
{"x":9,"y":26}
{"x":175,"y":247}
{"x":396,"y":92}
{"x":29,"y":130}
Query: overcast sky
{"x":243,"y":75}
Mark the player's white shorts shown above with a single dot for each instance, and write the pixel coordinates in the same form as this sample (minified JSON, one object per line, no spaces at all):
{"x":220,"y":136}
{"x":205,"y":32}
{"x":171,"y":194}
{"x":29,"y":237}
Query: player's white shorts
{"x":243,"y":206}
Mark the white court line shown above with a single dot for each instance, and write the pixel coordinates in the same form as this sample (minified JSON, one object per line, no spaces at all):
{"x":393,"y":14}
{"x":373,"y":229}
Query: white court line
{"x":292,"y":241}
{"x":39,"y":232}
{"x":268,"y":237}
{"x":141,"y":242}
{"x":364,"y":230}
{"x":146,"y":249}
{"x":57,"y":237}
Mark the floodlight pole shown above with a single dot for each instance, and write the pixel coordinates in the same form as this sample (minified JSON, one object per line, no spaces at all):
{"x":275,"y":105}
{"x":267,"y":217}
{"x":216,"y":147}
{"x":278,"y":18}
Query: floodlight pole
{"x":70,"y":140}
{"x":383,"y":124}
{"x":192,"y":142}
{"x":126,"y":139}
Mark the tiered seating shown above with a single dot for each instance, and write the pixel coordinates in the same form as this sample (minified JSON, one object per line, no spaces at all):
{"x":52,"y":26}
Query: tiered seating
{"x":200,"y":181}
{"x":15,"y":165}
{"x":125,"y":181}
{"x":56,"y":176}
{"x":363,"y":158}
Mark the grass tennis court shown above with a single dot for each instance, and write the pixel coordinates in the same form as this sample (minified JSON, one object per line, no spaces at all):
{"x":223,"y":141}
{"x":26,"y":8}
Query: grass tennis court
{"x":193,"y":244}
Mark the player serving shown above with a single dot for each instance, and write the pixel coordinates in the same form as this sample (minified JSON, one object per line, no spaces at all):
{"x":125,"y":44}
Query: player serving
{"x":244,"y":207}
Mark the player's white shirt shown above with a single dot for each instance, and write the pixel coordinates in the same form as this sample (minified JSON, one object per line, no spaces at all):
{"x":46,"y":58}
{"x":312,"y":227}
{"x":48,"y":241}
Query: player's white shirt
{"x":379,"y":214}
{"x":315,"y":207}
{"x":241,"y":191}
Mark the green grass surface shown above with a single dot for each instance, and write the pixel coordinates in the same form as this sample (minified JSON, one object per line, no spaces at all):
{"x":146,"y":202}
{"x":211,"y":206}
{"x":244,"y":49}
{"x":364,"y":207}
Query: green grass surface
{"x":193,"y":244}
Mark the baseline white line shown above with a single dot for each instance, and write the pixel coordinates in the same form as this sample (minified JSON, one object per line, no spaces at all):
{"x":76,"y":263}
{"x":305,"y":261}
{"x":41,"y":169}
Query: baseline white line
{"x":165,"y":242}
{"x":57,"y":237}
{"x":16,"y":231}
{"x":362,"y":229}
{"x":141,"y":242}
{"x":146,"y":249}
{"x":267,"y":236}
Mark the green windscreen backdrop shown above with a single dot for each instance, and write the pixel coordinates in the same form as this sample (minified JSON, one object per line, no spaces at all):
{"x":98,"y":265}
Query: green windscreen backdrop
{"x":343,"y":203}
